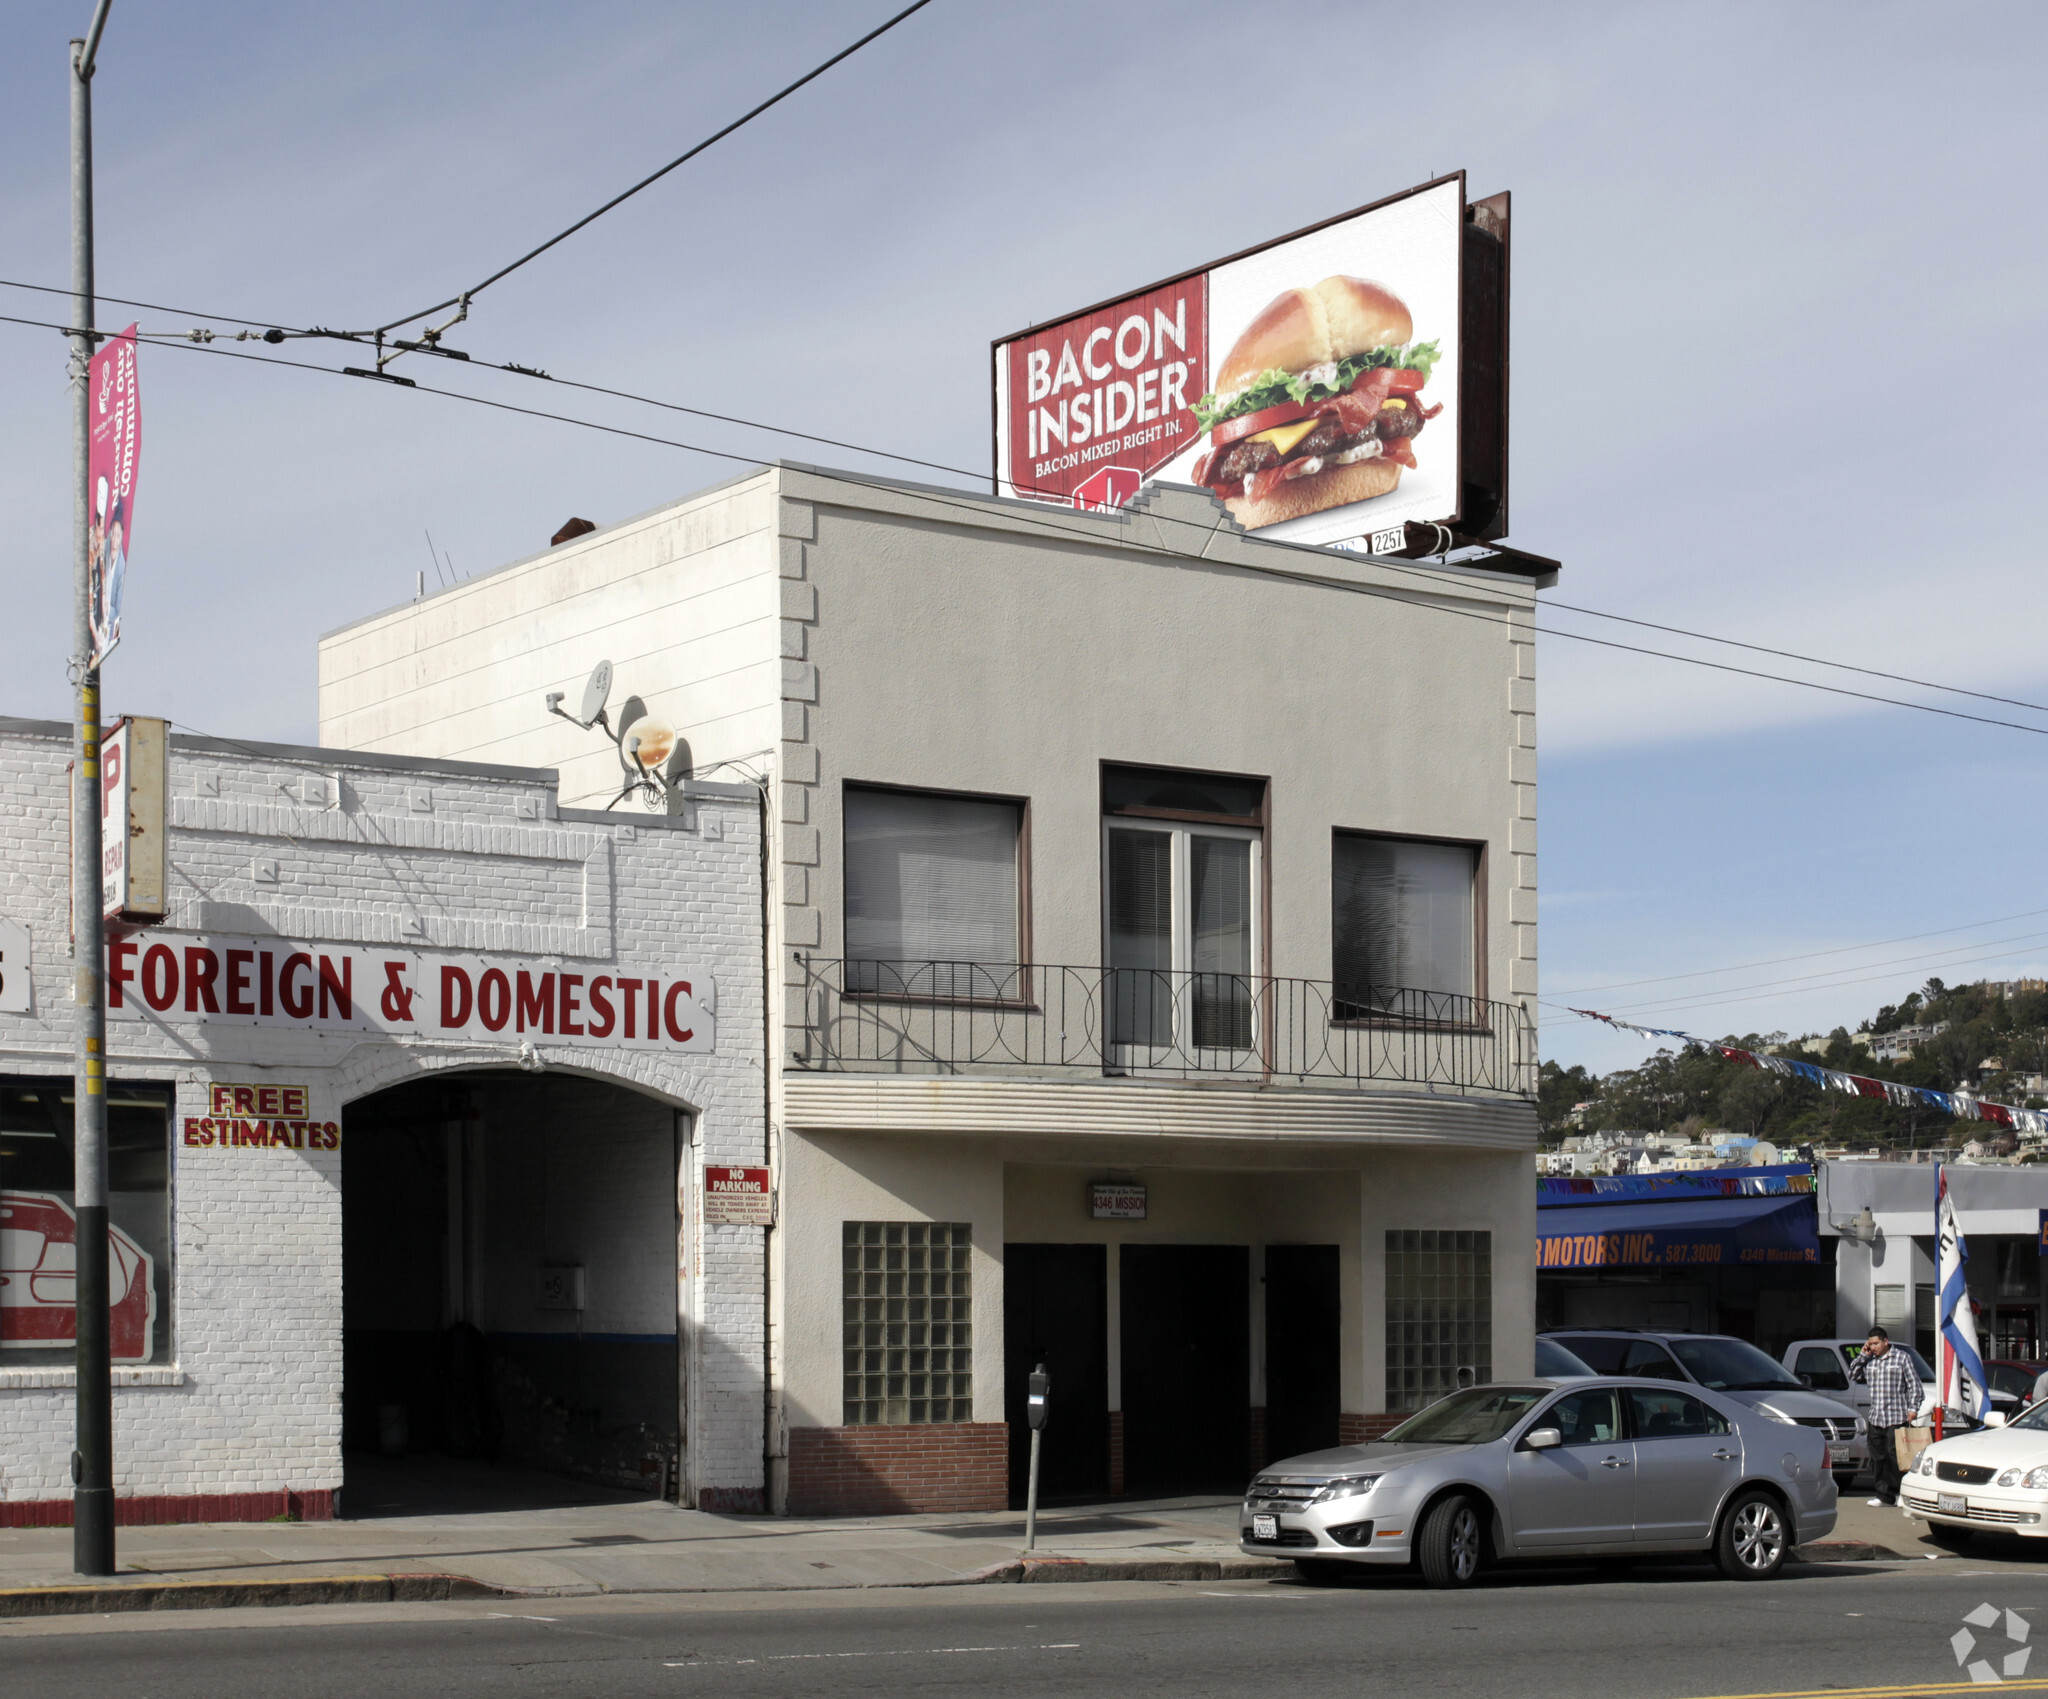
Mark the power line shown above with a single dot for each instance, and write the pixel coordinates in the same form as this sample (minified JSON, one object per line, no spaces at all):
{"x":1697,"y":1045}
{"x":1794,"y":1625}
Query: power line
{"x":1804,"y":956}
{"x":151,"y":306}
{"x":1437,"y":576}
{"x":1795,"y":986}
{"x":681,"y":159}
{"x":1441,"y":578}
{"x":1778,"y":996}
{"x":1794,"y":655}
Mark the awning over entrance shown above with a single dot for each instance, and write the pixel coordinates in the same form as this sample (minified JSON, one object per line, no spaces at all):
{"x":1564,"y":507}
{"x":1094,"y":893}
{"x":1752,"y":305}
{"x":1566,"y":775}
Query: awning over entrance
{"x":1694,"y":1233}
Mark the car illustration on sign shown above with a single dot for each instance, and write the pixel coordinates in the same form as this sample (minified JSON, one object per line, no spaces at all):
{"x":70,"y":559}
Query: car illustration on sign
{"x":39,"y":1279}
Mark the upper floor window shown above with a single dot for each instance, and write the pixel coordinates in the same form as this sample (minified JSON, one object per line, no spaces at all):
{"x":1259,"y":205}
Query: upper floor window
{"x":1181,"y":883}
{"x":933,"y":892}
{"x":1404,"y":923}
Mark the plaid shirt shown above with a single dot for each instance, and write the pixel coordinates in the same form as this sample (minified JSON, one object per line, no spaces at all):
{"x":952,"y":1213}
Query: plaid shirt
{"x":1894,"y":1384}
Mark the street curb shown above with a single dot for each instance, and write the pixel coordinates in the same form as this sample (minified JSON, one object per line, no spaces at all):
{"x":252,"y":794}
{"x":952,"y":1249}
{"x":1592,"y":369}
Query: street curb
{"x":1133,"y":1569}
{"x":215,"y":1595}
{"x":423,"y":1588}
{"x":1847,"y":1551}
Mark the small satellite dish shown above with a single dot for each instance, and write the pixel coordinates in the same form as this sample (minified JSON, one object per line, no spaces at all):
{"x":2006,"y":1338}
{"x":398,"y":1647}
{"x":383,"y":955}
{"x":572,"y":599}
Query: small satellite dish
{"x":650,"y":741}
{"x":595,"y":693}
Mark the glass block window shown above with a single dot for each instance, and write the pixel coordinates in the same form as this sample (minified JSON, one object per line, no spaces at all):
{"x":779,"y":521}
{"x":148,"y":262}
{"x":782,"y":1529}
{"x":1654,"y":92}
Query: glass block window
{"x":909,"y":1342}
{"x":1439,"y":1314}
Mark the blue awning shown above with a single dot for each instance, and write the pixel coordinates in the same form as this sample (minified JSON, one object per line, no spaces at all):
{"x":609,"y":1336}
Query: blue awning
{"x":1694,"y":1233}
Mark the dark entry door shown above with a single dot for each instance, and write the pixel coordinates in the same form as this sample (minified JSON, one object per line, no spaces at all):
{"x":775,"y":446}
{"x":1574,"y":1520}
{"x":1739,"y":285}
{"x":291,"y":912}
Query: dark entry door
{"x":1303,"y":1342}
{"x":1056,"y":1312}
{"x":1186,"y":1317}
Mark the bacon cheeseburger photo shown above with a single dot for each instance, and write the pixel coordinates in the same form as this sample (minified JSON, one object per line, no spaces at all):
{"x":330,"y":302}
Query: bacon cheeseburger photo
{"x":1317,"y":405}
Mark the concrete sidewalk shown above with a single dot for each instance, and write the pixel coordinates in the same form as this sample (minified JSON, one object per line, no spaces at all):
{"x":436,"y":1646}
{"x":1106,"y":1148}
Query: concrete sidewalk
{"x":473,"y":1528}
{"x":468,"y":1529}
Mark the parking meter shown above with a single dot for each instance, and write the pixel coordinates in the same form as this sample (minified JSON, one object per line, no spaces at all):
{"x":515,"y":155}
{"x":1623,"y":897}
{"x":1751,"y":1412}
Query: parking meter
{"x":1035,"y":1405}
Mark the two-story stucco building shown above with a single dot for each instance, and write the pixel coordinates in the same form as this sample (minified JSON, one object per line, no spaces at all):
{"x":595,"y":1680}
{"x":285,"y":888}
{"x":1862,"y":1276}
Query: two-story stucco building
{"x":1152,"y":929}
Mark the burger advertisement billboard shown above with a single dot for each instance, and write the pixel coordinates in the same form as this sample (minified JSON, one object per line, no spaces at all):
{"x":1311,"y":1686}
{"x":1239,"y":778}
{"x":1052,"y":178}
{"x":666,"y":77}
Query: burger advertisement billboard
{"x":1321,"y":386}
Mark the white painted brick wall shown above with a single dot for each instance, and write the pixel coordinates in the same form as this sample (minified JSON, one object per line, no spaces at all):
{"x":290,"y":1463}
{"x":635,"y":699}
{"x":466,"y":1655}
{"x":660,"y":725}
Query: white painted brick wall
{"x":432,"y":856}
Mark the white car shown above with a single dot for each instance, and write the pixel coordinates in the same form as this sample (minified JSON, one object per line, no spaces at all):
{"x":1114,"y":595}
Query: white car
{"x":1994,"y":1477}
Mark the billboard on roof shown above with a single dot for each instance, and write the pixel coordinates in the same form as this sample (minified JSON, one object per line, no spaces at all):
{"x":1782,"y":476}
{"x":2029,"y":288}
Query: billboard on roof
{"x":1326,"y":386}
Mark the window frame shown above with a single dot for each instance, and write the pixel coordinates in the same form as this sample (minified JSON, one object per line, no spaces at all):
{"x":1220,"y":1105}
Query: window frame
{"x":1258,"y":825}
{"x":1182,"y":824}
{"x":165,"y":1339}
{"x":1481,"y":861}
{"x":1181,"y":831}
{"x":1021,"y":1005}
{"x":1260,"y":820}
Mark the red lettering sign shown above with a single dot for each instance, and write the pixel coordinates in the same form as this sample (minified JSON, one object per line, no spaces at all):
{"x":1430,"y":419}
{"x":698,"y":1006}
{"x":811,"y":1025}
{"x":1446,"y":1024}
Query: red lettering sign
{"x":369,"y":989}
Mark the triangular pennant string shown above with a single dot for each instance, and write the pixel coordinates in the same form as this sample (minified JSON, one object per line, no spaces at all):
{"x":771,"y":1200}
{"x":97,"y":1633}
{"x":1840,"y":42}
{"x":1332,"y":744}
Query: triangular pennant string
{"x":1958,"y":1105}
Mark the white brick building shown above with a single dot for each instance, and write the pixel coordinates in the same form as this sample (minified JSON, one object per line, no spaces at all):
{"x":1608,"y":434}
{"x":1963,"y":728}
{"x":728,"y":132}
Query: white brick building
{"x":385,"y":1166}
{"x":1122,"y":849}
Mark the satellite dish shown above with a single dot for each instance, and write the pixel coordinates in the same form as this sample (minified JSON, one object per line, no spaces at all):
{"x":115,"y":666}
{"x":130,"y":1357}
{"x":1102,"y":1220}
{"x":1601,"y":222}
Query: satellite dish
{"x":595,"y":693}
{"x":651,"y":741}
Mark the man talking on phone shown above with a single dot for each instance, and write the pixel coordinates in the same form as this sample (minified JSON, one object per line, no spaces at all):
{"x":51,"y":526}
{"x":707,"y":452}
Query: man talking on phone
{"x":1895,"y":1396}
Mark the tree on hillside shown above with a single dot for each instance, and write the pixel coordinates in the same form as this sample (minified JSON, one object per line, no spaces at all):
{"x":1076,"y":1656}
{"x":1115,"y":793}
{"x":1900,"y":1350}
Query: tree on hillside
{"x":1559,"y":1091}
{"x":1749,"y":1100}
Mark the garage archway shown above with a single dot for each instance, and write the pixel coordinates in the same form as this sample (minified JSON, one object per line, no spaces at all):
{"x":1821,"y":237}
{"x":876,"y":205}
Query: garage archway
{"x":510,"y":1256}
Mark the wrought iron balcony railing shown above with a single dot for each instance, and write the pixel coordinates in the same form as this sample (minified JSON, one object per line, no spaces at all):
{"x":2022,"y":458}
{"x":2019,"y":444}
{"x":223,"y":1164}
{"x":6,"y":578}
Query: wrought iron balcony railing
{"x":1035,"y":1020}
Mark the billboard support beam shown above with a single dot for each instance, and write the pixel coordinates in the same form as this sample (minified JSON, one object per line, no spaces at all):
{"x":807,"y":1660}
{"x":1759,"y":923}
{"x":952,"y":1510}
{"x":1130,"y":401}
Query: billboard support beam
{"x":92,"y":1462}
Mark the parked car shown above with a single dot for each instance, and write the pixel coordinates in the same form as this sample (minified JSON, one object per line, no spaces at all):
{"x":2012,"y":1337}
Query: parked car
{"x":1993,"y":1477}
{"x":1606,"y":1468}
{"x":1554,"y":1362}
{"x":2014,"y":1376}
{"x":1823,"y":1364}
{"x":1726,"y":1365}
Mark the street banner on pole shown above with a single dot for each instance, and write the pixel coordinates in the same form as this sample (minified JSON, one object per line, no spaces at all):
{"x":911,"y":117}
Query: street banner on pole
{"x":115,"y":447}
{"x":1958,"y":1367}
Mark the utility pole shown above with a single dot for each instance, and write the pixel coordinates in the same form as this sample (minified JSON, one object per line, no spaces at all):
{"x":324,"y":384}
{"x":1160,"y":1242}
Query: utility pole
{"x":92,"y":1463}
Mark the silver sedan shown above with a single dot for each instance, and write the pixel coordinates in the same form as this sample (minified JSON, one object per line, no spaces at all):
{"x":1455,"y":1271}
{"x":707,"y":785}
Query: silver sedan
{"x":1550,"y":1468}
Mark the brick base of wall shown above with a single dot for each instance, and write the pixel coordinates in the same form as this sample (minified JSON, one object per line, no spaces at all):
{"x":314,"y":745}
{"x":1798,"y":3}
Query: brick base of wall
{"x":1116,"y":1454}
{"x":1255,"y":1439}
{"x":1363,"y":1430}
{"x":156,"y":1510}
{"x":883,"y":1470}
{"x":733,"y":1501}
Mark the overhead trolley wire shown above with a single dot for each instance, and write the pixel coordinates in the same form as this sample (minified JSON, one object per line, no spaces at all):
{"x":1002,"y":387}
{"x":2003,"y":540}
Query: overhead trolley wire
{"x":1951,"y":953}
{"x":716,"y":136}
{"x":1714,"y":1000}
{"x":151,"y":307}
{"x":1804,"y":956}
{"x":1440,"y":578}
{"x":1411,"y":569}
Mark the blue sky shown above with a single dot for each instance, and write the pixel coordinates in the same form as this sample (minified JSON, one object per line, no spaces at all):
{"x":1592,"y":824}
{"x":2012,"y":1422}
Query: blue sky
{"x":1778,"y":361}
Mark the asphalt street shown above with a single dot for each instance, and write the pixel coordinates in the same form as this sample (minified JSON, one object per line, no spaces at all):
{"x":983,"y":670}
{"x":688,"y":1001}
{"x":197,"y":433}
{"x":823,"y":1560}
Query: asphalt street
{"x":1656,"y":1634}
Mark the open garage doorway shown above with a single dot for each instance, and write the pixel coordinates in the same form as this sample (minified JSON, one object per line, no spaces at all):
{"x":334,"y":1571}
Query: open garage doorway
{"x":510,"y":1248}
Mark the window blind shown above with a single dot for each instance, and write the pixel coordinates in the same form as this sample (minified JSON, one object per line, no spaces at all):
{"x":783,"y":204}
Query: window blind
{"x":929,"y":879}
{"x":1403,"y":915}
